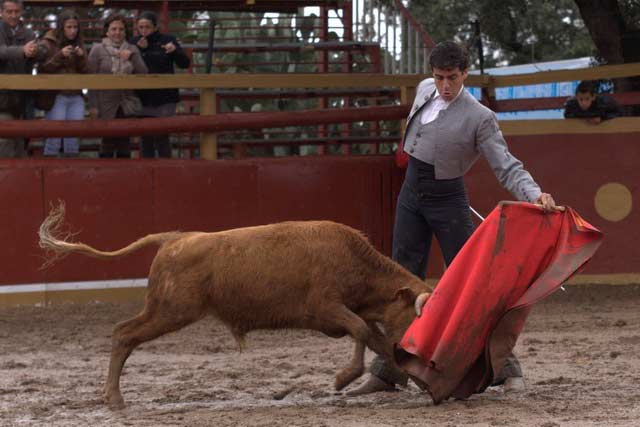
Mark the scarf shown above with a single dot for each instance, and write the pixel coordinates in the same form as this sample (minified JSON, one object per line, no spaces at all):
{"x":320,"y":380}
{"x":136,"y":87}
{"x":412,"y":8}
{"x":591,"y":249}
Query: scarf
{"x":118,"y":65}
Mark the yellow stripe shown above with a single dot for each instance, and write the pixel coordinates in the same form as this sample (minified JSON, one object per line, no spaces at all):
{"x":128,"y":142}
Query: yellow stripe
{"x":115,"y":295}
{"x":120,"y":295}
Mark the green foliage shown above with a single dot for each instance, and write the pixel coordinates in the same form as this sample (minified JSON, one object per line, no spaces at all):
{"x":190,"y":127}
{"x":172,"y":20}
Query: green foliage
{"x":513,"y":31}
{"x":630,"y":10}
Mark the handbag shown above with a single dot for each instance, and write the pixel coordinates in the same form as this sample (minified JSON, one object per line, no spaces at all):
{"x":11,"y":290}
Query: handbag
{"x":131,"y":106}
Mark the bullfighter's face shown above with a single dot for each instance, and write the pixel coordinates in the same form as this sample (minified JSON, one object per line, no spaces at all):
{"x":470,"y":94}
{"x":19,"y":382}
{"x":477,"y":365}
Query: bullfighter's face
{"x":449,"y":82}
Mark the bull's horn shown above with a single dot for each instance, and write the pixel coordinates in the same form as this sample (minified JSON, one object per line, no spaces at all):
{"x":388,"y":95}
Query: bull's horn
{"x":420,"y":301}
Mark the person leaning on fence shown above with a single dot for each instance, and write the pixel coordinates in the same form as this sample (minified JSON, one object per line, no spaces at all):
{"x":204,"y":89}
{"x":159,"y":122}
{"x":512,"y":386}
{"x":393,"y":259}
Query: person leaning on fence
{"x":447,"y":130}
{"x":586,"y":104}
{"x":18,"y":53}
{"x":160,"y":53}
{"x":65,"y":55}
{"x":115,"y":55}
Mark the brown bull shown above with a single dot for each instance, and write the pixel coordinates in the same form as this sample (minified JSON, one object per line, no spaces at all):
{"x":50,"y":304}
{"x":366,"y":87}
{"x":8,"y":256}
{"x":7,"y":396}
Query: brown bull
{"x":316,"y":275}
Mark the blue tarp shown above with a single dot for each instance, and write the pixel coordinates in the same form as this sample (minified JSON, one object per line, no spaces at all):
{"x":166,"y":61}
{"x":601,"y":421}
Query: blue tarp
{"x":534,"y":91}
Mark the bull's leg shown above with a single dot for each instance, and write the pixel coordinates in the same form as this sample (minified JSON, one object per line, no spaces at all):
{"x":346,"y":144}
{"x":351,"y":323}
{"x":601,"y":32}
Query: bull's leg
{"x":339,"y":318}
{"x":354,"y":370}
{"x":391,"y":363}
{"x":155,"y":320}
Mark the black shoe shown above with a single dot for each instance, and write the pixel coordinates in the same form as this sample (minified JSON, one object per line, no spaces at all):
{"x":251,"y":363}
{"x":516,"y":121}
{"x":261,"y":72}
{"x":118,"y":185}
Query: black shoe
{"x":514,"y":385}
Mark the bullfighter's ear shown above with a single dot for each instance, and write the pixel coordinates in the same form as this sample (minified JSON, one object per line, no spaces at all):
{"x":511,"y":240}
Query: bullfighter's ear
{"x":406,"y":294}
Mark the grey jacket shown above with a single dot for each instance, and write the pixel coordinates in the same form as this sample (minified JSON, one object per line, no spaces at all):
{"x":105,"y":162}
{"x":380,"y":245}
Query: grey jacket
{"x":13,"y":61}
{"x":108,"y":101}
{"x":460,"y":134}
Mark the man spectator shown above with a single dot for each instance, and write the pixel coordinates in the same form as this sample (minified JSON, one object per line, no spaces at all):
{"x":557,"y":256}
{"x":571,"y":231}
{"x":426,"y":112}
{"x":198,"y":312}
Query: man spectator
{"x":586,"y":104}
{"x":18,"y":53}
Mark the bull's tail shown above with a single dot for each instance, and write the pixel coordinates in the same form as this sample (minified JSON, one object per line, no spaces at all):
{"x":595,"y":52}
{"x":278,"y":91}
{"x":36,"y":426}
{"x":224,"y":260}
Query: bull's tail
{"x":59,"y":247}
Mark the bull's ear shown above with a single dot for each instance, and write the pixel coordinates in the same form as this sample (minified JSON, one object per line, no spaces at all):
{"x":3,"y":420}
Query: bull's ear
{"x":406,"y":294}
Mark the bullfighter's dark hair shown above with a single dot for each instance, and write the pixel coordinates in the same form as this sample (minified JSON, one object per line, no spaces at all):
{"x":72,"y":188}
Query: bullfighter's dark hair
{"x":449,"y":55}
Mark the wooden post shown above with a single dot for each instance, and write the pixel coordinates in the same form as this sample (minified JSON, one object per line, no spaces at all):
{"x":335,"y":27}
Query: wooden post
{"x":208,"y":140}
{"x":407,"y":94}
{"x":488,"y":92}
{"x":164,"y":16}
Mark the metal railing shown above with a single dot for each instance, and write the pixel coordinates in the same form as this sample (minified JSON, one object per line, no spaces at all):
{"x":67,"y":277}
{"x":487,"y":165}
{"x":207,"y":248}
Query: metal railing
{"x":370,"y":124}
{"x":404,"y":42}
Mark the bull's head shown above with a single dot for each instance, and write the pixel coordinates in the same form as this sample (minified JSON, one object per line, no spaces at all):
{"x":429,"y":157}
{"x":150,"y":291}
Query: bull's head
{"x":402,"y":310}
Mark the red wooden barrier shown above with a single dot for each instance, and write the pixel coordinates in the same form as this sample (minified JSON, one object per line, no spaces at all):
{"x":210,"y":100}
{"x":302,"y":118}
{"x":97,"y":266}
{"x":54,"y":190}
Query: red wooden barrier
{"x":194,"y":124}
{"x":111,"y":203}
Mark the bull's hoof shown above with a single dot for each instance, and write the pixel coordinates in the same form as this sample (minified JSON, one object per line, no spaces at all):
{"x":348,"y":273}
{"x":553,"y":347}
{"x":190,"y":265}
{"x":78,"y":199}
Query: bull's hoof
{"x":115,"y":402}
{"x":346,"y":377}
{"x":372,"y":385}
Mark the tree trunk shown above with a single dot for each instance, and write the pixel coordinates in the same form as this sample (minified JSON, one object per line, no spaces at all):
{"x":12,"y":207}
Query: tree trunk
{"x":606,"y":26}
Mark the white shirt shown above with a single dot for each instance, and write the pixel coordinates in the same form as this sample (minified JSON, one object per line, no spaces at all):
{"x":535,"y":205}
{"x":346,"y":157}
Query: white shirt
{"x":436,"y":105}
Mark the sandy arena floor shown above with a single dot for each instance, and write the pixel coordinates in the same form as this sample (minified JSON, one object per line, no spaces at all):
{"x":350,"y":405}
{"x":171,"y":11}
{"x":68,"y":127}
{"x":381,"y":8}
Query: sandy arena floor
{"x":579,"y":352}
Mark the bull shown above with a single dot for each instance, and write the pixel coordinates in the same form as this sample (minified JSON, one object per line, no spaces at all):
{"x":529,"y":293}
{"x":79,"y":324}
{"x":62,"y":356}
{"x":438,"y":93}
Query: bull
{"x":317,"y":275}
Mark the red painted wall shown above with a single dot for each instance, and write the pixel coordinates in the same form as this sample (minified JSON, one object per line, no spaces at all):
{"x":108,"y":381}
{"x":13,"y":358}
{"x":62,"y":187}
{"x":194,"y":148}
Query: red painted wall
{"x":111,"y":203}
{"x":572,"y":168}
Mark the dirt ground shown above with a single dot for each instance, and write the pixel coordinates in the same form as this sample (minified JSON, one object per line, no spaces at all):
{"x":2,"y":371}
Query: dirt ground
{"x":579,"y":352}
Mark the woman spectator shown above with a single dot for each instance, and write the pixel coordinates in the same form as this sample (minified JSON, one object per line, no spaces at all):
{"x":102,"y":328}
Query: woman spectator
{"x":114,"y":55}
{"x":160,"y":53}
{"x":65,"y":55}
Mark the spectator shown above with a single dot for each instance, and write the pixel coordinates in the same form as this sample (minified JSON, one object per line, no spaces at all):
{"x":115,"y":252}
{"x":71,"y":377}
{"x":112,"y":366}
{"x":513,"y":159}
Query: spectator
{"x":586,"y":104}
{"x":160,"y":52}
{"x":65,"y":55}
{"x":114,"y":55}
{"x":18,"y":53}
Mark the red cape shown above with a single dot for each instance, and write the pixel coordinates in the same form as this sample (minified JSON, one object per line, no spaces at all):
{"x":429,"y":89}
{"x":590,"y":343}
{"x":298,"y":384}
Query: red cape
{"x":471,"y":322}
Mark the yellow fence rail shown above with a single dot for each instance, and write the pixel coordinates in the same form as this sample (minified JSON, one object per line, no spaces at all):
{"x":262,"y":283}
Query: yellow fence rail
{"x":208,"y":84}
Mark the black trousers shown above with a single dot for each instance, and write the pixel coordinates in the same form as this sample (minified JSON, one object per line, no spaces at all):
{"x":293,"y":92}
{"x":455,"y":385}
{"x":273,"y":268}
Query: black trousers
{"x":151,"y":143}
{"x":428,"y":207}
{"x":120,"y":146}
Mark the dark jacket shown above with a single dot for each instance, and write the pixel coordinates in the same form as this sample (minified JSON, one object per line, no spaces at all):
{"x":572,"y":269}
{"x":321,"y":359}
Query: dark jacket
{"x":158,"y":62}
{"x":603,"y":106}
{"x":57,"y":63}
{"x":13,"y":61}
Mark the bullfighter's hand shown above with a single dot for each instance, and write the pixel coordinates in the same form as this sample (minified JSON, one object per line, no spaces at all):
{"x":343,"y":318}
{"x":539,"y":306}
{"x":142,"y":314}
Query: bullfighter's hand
{"x":548,"y":204}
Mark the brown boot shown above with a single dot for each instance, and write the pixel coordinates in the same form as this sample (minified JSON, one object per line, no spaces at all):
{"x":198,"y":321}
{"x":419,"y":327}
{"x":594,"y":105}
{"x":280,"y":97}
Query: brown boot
{"x":372,"y":385}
